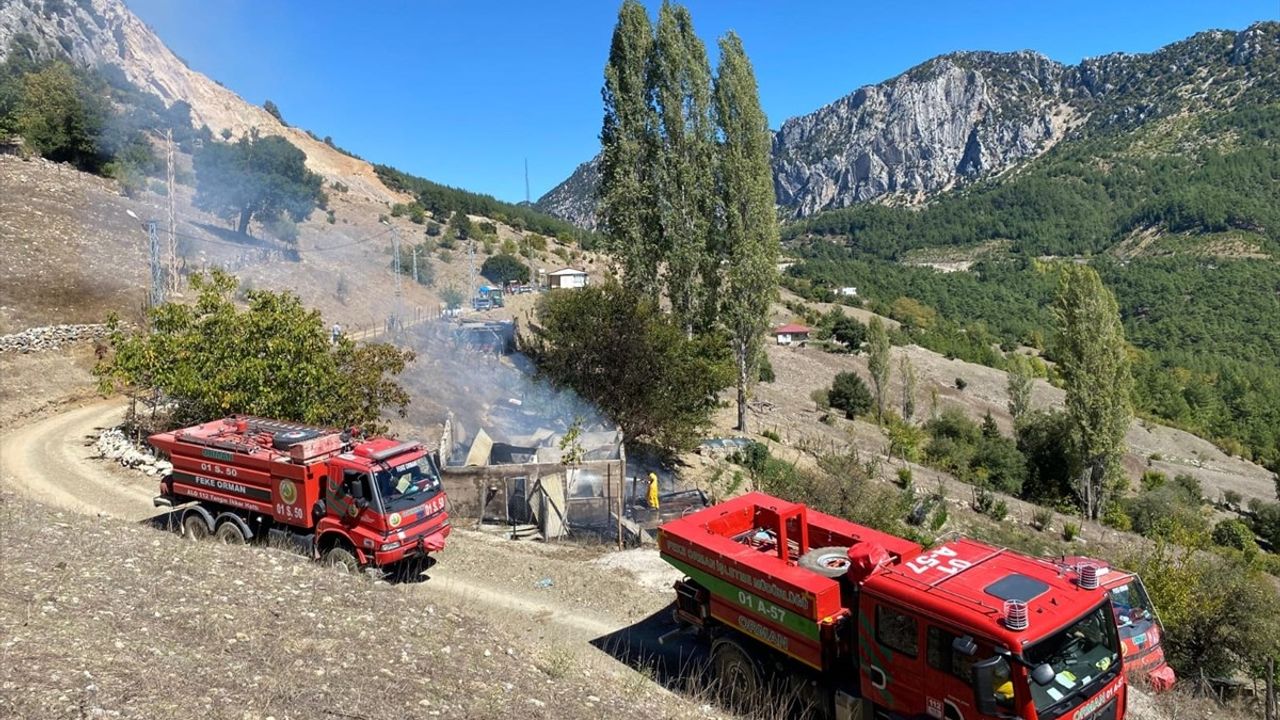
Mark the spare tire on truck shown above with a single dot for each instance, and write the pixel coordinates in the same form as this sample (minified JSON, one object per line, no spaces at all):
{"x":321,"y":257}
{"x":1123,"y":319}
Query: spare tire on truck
{"x":832,"y":562}
{"x":283,"y":440}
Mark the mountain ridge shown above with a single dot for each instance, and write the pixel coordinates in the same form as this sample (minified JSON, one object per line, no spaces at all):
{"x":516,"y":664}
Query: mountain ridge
{"x":971,"y":115}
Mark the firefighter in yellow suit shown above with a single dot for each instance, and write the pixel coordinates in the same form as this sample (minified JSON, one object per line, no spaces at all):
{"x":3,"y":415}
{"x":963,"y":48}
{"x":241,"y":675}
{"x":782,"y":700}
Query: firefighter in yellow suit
{"x":653,"y":490}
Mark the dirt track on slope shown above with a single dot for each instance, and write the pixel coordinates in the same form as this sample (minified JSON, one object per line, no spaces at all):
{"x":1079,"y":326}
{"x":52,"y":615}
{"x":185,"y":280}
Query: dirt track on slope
{"x":52,"y":460}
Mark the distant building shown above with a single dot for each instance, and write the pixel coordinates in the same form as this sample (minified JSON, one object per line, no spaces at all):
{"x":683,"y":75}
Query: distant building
{"x":567,"y":279}
{"x":849,"y":291}
{"x":792,"y":334}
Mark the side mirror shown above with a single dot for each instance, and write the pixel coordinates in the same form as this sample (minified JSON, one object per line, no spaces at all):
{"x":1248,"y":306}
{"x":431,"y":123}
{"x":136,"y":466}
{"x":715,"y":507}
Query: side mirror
{"x":965,"y":646}
{"x":984,"y":686}
{"x":1043,"y":674}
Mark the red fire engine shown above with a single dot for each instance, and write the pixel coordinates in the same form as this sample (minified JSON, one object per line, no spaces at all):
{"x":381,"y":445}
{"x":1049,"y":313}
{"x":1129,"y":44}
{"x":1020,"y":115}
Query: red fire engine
{"x":1141,"y":634}
{"x":848,"y":622}
{"x":367,"y":503}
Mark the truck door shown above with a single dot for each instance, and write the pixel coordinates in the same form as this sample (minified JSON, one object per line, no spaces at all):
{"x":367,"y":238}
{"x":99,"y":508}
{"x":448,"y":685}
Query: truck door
{"x":949,"y":689}
{"x":892,"y":662}
{"x":346,"y":498}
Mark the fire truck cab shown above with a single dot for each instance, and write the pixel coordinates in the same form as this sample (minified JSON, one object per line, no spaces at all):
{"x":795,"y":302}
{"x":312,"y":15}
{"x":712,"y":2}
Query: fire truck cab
{"x":360,"y":503}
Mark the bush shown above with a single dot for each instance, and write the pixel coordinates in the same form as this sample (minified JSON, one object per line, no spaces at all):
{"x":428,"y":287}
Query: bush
{"x":850,"y":393}
{"x":433,"y":229}
{"x":765,"y":369}
{"x":1190,"y":485}
{"x":1070,"y":530}
{"x":1153,"y":480}
{"x":1234,"y":533}
{"x":1042,"y":519}
{"x":1155,"y":512}
{"x":961,"y":384}
{"x":331,"y":218}
{"x":771,"y":435}
{"x":821,"y":398}
{"x":1231,"y":499}
{"x":283,"y":229}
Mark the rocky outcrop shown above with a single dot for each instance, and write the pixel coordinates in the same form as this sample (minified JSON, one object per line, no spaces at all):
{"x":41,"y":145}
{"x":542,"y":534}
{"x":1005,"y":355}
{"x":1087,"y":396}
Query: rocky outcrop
{"x":574,"y":200}
{"x":51,"y":337}
{"x":968,"y":116}
{"x":952,"y":119}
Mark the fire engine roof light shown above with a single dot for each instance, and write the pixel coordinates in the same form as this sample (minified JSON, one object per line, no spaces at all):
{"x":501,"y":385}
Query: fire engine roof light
{"x":1088,"y":573}
{"x":1016,"y":616}
{"x":393,"y":451}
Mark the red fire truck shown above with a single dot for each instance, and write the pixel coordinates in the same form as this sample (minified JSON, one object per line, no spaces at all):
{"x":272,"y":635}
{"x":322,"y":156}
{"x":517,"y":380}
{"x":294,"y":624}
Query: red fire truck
{"x":833,"y":619}
{"x":372,"y":502}
{"x":1141,"y":634}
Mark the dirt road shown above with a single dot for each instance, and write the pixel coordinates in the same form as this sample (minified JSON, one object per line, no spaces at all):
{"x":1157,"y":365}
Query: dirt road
{"x":52,"y":460}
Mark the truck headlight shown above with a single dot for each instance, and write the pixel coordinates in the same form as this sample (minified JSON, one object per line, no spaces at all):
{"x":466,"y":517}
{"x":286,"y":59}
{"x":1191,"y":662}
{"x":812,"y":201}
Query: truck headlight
{"x":390,"y":546}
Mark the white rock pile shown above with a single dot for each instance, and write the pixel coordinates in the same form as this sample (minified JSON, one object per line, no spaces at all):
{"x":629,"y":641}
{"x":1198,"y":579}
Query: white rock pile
{"x":113,"y":444}
{"x":50,"y":337}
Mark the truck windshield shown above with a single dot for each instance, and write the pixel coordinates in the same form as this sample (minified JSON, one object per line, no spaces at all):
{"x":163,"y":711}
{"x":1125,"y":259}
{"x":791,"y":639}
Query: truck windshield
{"x":1084,"y":657}
{"x":408,"y":484}
{"x":1134,"y":615}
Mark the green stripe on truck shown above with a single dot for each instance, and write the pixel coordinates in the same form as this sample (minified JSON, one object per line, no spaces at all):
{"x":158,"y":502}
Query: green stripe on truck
{"x":749,"y":601}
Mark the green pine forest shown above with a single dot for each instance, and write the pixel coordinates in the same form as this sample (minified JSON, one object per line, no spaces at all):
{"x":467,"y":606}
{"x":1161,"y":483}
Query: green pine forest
{"x":1180,"y":217}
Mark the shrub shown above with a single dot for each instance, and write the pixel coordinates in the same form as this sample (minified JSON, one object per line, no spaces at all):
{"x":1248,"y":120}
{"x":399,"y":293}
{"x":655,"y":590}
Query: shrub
{"x":283,"y":229}
{"x":1070,"y":530}
{"x":904,"y":477}
{"x":1115,"y":517}
{"x":765,"y":369}
{"x":433,"y":228}
{"x":1153,"y":480}
{"x":1042,"y":519}
{"x":331,"y":218}
{"x":1234,"y":533}
{"x":961,"y":384}
{"x":850,"y":394}
{"x":771,"y":435}
{"x":1190,"y":485}
{"x":1231,"y":499}
{"x":821,"y":398}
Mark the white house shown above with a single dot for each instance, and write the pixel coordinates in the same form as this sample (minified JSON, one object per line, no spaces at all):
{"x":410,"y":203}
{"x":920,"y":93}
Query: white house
{"x":849,"y":291}
{"x":567,"y":279}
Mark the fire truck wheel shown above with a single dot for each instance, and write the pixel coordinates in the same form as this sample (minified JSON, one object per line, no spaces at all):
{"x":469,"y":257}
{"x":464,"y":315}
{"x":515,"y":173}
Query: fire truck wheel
{"x":832,"y":562}
{"x":341,"y":557}
{"x":737,"y":676}
{"x":194,"y":527}
{"x":228,"y":533}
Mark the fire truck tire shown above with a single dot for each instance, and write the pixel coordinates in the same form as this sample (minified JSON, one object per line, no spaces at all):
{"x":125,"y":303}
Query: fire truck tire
{"x":229,"y":533}
{"x":194,"y":527}
{"x":738,"y":678}
{"x":832,"y":562}
{"x":340,"y":557}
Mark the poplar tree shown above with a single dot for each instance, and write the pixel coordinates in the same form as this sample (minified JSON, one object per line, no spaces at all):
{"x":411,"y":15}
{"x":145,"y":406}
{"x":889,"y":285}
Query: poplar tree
{"x":878,"y":361}
{"x":749,"y":238}
{"x":908,"y":372}
{"x":684,"y":197}
{"x":627,"y":153}
{"x":1019,"y":386}
{"x":1093,"y":359}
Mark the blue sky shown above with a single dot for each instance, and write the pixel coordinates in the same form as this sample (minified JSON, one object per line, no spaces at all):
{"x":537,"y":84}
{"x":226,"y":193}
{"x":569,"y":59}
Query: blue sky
{"x":463,"y":92}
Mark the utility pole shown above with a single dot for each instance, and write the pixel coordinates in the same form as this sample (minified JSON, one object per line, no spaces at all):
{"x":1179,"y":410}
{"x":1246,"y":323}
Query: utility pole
{"x":415,"y":263}
{"x":173,"y":216}
{"x":157,"y":270}
{"x":395,"y":249}
{"x":471,"y":259}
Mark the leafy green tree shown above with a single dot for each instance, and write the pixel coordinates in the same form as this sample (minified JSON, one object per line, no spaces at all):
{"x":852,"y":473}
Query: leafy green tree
{"x":1093,"y":359}
{"x":627,"y":155}
{"x":749,"y":238}
{"x":1053,"y":464}
{"x":503,"y":268}
{"x":616,"y":348}
{"x":1234,"y":533}
{"x":1019,"y":386}
{"x":460,"y":226}
{"x":848,"y":331}
{"x":59,"y":115}
{"x":273,"y":358}
{"x":685,"y":203}
{"x":850,"y":394}
{"x":908,"y":373}
{"x":878,"y":361}
{"x":258,"y":178}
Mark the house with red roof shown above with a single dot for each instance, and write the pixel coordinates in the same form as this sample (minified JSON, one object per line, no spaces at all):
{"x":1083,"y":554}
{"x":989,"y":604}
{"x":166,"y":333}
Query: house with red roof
{"x":792,"y":334}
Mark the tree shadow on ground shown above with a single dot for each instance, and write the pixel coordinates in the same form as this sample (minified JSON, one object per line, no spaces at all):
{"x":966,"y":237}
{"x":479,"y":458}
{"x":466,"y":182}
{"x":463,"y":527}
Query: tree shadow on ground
{"x":231,"y":236}
{"x":675,"y":661}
